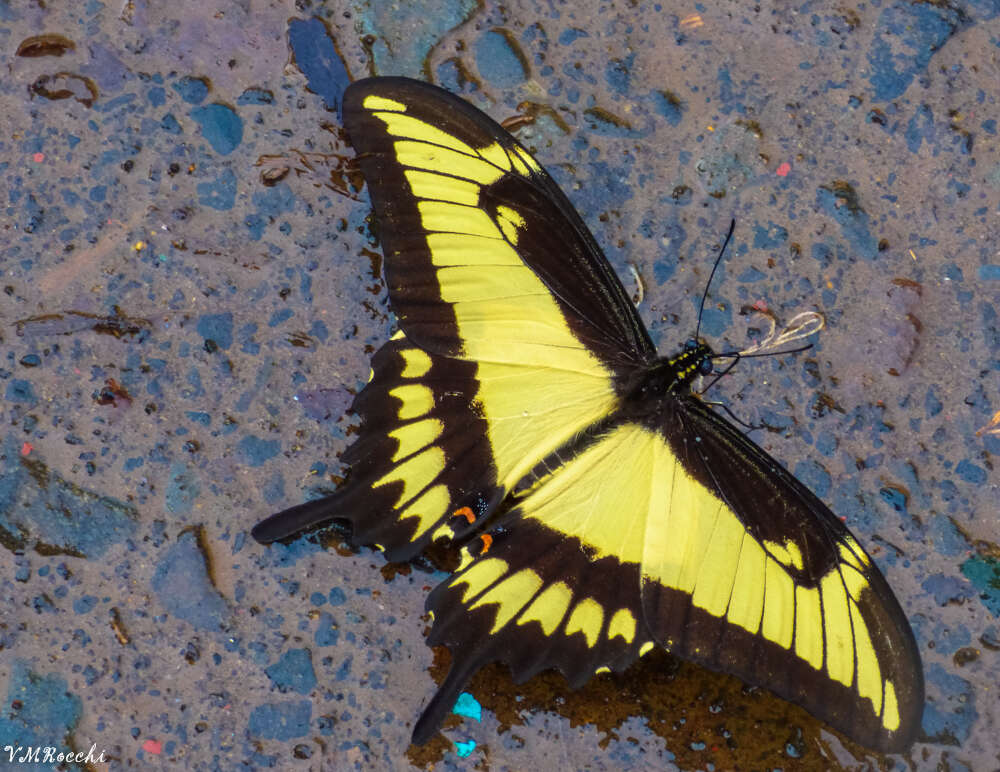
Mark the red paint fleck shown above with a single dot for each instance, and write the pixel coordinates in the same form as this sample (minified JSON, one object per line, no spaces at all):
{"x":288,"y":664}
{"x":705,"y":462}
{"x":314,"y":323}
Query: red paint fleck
{"x":760,"y":305}
{"x":38,"y":157}
{"x":26,"y":449}
{"x":153,"y":746}
{"x":783,"y":170}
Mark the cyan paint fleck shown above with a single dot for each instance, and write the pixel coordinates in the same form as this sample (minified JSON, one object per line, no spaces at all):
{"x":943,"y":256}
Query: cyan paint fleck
{"x":466,"y":705}
{"x":465,"y":748}
{"x":184,"y":589}
{"x":984,"y":573}
{"x":221,"y":126}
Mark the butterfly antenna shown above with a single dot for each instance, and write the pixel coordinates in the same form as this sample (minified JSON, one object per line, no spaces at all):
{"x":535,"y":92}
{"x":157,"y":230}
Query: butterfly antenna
{"x":704,"y":296}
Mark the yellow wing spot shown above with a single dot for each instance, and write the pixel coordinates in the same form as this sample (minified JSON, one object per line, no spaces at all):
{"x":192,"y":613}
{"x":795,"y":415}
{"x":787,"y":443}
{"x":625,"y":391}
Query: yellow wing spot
{"x":443,"y":532}
{"x":788,"y":554}
{"x":416,"y":473}
{"x":465,"y":558}
{"x":646,"y":648}
{"x":509,"y":221}
{"x":890,"y":711}
{"x":852,"y":554}
{"x":527,"y":160}
{"x":496,"y":155}
{"x":480,"y":576}
{"x":549,"y":608}
{"x":809,"y":626}
{"x":417,"y":400}
{"x":622,"y":624}
{"x":602,"y":669}
{"x":519,"y":165}
{"x":373,"y":102}
{"x":414,"y":437}
{"x":587,"y":618}
{"x":746,"y":606}
{"x":854,"y":580}
{"x":428,"y":508}
{"x":837,"y":624}
{"x":510,"y":595}
{"x":868,"y":673}
{"x":779,"y":605}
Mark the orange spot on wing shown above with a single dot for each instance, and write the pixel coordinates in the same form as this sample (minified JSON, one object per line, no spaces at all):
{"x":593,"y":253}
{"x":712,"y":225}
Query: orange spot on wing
{"x":487,"y":543}
{"x":465,"y":512}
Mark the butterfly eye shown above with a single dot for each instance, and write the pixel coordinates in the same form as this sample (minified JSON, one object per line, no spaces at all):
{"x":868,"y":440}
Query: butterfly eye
{"x":705,"y":368}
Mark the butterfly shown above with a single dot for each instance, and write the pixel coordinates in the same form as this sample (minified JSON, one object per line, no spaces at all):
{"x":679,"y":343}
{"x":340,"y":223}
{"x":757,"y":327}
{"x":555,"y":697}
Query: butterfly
{"x":603,"y":509}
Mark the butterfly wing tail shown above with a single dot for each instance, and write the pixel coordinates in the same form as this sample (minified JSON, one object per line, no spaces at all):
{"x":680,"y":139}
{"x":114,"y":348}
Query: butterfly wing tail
{"x":443,"y":701}
{"x":293,"y":520}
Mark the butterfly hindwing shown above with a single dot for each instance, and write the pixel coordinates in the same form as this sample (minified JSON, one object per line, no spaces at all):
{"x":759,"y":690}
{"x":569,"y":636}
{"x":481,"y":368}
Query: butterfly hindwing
{"x":762,"y":581}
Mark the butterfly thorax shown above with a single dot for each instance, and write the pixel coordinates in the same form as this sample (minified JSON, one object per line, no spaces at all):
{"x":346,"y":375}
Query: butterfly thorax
{"x":669,"y":375}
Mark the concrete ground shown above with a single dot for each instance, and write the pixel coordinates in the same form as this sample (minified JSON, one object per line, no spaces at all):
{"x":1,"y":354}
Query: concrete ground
{"x":191,"y":294}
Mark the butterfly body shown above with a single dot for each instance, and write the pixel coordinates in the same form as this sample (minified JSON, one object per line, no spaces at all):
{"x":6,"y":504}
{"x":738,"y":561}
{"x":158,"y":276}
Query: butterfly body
{"x":605,"y":509}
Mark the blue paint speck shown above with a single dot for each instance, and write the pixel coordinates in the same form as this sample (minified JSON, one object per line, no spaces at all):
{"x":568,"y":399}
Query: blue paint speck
{"x":218,"y":328}
{"x":906,"y":36}
{"x":464,"y":749}
{"x":280,"y":720}
{"x":221,"y":126}
{"x":220,"y":193}
{"x":293,"y":672}
{"x":192,"y":90}
{"x":182,"y":584}
{"x":498,"y":60}
{"x":20,"y":391}
{"x":316,"y":56}
{"x":256,"y":451}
